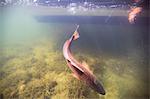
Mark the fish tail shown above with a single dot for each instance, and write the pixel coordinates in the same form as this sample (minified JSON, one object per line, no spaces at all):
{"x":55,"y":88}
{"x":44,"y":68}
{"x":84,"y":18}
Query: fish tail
{"x":76,"y":33}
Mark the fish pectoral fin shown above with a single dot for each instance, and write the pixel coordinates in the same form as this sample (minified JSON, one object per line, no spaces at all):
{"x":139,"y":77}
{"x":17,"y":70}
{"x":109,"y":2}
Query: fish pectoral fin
{"x":74,"y":75}
{"x":86,"y":66}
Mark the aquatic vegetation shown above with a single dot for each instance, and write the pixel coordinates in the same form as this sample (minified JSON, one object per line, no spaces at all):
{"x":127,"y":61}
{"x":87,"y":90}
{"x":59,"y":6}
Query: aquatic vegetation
{"x":39,"y":71}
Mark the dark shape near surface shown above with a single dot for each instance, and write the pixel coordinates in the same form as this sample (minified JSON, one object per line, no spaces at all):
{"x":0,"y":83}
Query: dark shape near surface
{"x":80,"y":71}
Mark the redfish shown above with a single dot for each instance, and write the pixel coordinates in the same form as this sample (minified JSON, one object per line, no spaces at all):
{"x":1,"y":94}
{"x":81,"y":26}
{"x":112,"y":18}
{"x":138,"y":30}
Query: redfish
{"x":133,"y":13}
{"x":80,"y":71}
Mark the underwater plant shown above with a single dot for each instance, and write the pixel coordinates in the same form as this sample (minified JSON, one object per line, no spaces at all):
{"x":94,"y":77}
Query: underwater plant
{"x":34,"y":74}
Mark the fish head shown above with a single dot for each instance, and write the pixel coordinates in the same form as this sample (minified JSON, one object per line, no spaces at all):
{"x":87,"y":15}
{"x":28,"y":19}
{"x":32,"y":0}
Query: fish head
{"x":98,"y":87}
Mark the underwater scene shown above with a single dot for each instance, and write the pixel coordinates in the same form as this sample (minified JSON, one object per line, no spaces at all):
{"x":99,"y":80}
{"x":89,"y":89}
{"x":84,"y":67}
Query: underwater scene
{"x":73,"y":52}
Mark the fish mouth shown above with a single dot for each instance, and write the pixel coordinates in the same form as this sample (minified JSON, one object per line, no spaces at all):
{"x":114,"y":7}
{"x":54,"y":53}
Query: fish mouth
{"x":98,"y":87}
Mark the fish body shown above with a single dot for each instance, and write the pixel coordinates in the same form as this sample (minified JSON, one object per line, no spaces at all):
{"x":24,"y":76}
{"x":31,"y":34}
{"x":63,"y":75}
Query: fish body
{"x":80,"y":71}
{"x":133,"y":13}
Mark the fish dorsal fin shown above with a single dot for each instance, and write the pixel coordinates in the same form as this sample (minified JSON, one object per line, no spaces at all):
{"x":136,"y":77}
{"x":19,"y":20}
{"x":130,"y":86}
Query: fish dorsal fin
{"x":86,"y":66}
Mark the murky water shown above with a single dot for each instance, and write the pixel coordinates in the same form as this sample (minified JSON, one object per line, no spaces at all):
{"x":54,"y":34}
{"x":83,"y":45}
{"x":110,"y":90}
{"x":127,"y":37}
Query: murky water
{"x":32,"y":64}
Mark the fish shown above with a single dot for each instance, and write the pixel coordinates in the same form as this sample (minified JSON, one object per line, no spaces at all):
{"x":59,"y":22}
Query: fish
{"x":133,"y":13}
{"x":80,"y":71}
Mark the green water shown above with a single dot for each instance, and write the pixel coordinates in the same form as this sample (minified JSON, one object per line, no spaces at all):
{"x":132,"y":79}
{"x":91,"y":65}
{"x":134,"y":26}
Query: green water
{"x":32,"y":65}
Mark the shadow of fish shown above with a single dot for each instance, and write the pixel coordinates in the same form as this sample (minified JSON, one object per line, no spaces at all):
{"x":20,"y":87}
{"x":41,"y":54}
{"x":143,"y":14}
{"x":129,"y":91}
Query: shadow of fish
{"x":80,"y":71}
